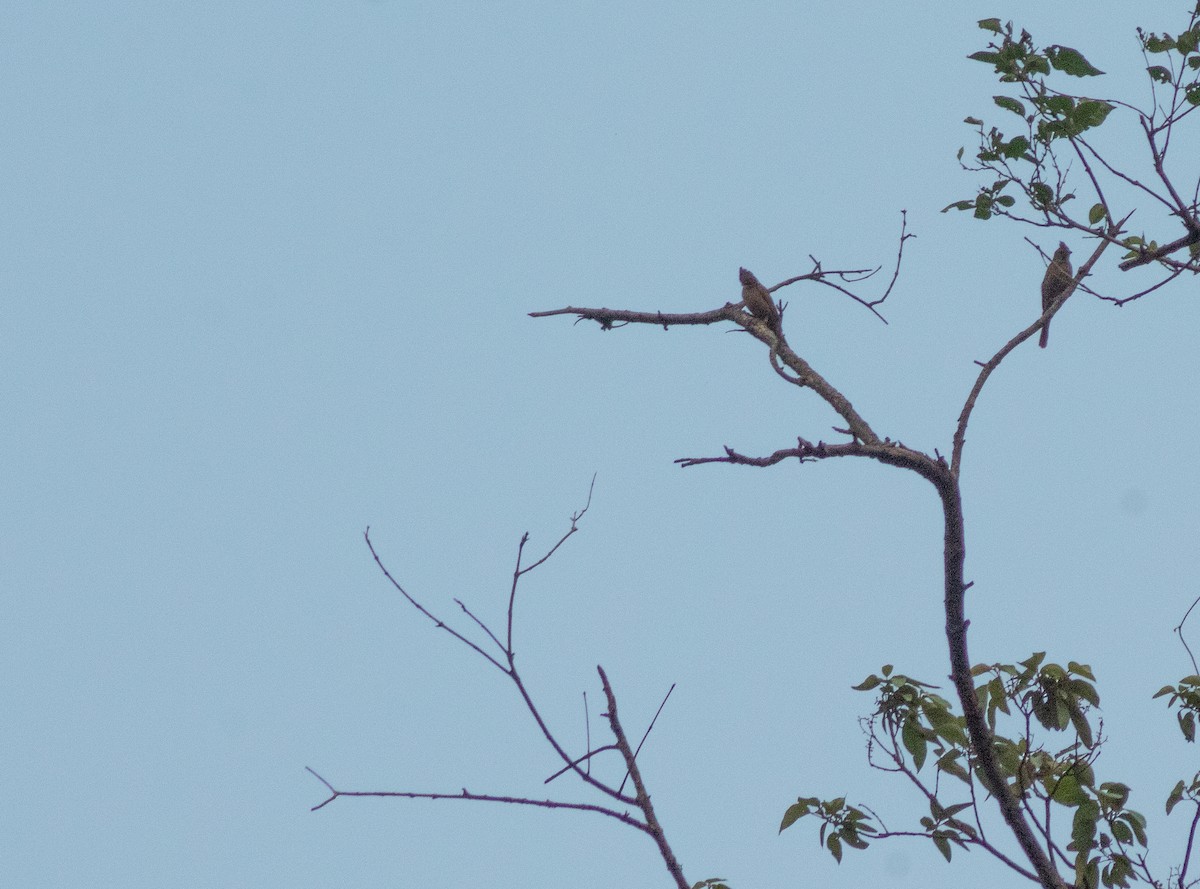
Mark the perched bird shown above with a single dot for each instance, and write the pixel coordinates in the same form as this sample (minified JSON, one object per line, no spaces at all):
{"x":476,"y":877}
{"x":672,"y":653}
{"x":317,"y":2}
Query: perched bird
{"x":1058,"y":279}
{"x":757,"y":298}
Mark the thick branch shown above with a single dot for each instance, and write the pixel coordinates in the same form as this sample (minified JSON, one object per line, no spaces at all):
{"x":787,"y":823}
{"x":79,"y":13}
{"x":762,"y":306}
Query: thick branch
{"x":806,"y":376}
{"x":960,"y":674}
{"x":889,"y":452}
{"x":1145,"y":257}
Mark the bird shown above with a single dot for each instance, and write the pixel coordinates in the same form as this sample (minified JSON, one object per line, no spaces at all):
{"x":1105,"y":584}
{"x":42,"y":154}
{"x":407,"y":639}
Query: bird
{"x":758,"y":299}
{"x":1058,"y":278}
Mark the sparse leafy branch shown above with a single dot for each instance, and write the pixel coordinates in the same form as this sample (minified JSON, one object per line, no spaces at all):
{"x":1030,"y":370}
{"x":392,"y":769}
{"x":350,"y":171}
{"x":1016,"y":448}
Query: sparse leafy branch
{"x":1055,"y":132}
{"x":913,"y":726}
{"x":1185,"y":698}
{"x":841,"y":824}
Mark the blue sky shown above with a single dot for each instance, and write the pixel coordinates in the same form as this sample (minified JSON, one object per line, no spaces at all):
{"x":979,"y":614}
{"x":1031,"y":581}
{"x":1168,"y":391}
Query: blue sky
{"x":268,"y":269}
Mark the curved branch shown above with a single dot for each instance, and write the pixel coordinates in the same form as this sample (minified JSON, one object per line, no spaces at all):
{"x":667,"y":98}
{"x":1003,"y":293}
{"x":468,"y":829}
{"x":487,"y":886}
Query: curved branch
{"x":756,"y":327}
{"x":964,"y":417}
{"x":821,"y":275}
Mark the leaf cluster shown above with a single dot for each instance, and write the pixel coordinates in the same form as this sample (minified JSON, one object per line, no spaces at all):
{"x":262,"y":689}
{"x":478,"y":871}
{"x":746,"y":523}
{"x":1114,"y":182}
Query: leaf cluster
{"x":1030,"y":706}
{"x":1028,"y":159}
{"x":1186,"y":698}
{"x":1027,"y":166}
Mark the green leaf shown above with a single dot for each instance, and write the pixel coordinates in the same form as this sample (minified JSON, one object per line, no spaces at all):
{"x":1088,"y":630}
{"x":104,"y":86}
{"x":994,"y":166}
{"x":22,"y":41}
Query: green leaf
{"x":1080,"y":688}
{"x":1009,"y":104}
{"x":1121,"y":832}
{"x":946,"y":725}
{"x":1038,"y":65}
{"x":1159,"y":74}
{"x":835,"y":847}
{"x":1082,"y":727}
{"x":1116,"y":793}
{"x":1087,"y":775}
{"x":1091,"y":113}
{"x":874,"y":681}
{"x":1096,"y":214}
{"x":948,"y":763}
{"x":1193,"y":94}
{"x":1083,"y":826}
{"x":1160,"y":44}
{"x":914,"y":742}
{"x":1071,"y":61}
{"x":1187,"y":725}
{"x":943,"y":845}
{"x":1175,"y":796}
{"x":958,"y":205}
{"x":1062,"y":106}
{"x":992,"y":25}
{"x":1081,"y":670}
{"x":1068,"y":792}
{"x":794,"y":813}
{"x":853,"y":840}
{"x":1016,"y":148}
{"x":1138,"y":822}
{"x":990,"y":58}
{"x":950,"y":811}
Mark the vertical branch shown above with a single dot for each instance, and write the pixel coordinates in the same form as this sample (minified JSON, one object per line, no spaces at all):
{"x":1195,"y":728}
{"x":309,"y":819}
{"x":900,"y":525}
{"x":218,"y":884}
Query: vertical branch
{"x":955,"y":554}
{"x":643,"y":798}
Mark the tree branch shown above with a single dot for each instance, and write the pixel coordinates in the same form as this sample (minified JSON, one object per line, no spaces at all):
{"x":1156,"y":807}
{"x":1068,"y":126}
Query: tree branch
{"x":643,"y":798}
{"x":623,"y":817}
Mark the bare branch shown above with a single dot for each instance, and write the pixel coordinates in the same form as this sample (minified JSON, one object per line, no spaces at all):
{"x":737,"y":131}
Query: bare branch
{"x":1179,"y":632}
{"x":649,"y":729}
{"x":854,"y":276}
{"x":964,"y":417}
{"x":623,"y":817}
{"x":643,"y":798}
{"x":1187,"y":856}
{"x":587,"y":757}
{"x":886,"y":451}
{"x":438,"y":622}
{"x":510,"y":655}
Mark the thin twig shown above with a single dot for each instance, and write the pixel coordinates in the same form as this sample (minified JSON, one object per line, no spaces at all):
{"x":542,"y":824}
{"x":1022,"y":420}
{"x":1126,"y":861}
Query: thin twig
{"x":623,"y":817}
{"x":649,"y":728}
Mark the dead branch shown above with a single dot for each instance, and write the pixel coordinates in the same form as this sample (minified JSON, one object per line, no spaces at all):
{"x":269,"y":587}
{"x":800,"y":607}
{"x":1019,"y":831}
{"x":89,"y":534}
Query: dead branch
{"x":506,"y":663}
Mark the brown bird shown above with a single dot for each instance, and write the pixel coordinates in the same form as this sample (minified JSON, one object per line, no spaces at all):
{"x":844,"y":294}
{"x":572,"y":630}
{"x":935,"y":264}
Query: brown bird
{"x":1058,"y":278}
{"x":757,"y":298}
